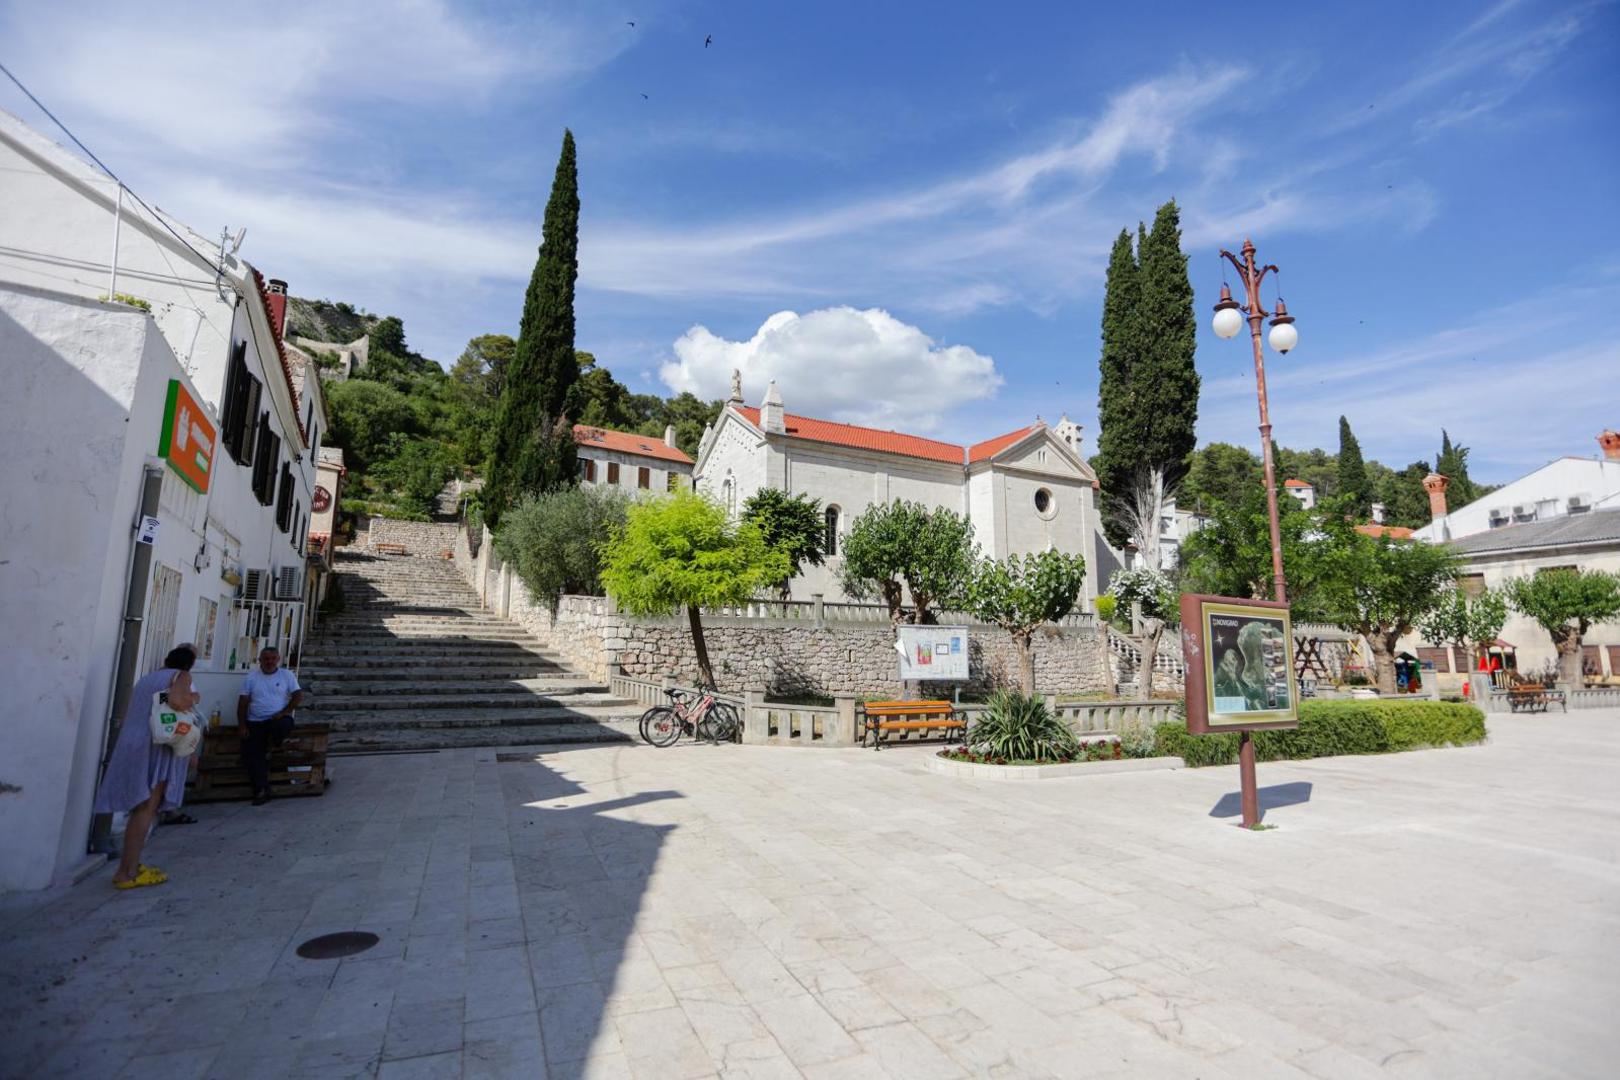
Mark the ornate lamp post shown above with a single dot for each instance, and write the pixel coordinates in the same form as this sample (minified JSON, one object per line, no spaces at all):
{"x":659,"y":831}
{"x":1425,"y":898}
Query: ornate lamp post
{"x":1229,"y":317}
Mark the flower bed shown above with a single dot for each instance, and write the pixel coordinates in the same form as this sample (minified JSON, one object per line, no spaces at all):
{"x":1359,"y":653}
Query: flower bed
{"x":966,"y":768}
{"x":1096,"y":750}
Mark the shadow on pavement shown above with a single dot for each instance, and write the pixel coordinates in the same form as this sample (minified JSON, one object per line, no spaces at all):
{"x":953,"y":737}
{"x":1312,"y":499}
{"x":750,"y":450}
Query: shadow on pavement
{"x":1292,"y":794}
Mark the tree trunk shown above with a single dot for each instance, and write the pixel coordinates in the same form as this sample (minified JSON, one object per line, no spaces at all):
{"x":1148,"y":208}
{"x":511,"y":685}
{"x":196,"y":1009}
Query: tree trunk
{"x":1026,"y":661}
{"x":1568,"y":644}
{"x":1383,"y":650}
{"x":695,"y":620}
{"x":891,"y":597}
{"x":1150,"y":651}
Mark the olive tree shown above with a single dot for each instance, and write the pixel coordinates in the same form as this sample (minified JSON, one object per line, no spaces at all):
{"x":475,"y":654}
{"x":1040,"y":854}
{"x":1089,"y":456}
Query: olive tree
{"x":1567,"y":603}
{"x":1021,"y":593}
{"x":1383,"y":588}
{"x":902,"y":548}
{"x":1470,"y":622}
{"x":685,"y":551}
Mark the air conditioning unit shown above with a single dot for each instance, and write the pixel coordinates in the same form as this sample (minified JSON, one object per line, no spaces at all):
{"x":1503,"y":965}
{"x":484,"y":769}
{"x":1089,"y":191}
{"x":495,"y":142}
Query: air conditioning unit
{"x":1579,"y":504}
{"x":1499,"y":517}
{"x":1525,"y":513}
{"x":256,"y":585}
{"x":288,"y":587}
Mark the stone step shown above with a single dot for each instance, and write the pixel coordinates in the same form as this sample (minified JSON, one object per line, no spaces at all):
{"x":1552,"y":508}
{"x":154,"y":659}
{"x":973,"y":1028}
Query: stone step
{"x":548,"y":715}
{"x":419,"y":647}
{"x":543,"y":735}
{"x":425,"y":675}
{"x":383,"y":639}
{"x":472,"y":701}
{"x":399,"y":659}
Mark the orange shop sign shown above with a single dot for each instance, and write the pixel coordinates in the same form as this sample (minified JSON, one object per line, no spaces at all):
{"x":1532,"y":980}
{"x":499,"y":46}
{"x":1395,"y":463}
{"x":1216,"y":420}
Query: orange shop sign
{"x":188,"y":437}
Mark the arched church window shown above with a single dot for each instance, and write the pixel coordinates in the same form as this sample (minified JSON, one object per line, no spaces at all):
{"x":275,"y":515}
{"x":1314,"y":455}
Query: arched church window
{"x":832,"y":530}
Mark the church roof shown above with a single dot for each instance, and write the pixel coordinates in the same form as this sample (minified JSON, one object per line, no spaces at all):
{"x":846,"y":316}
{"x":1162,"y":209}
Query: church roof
{"x":982,"y":451}
{"x":626,"y":443}
{"x":861,"y":438}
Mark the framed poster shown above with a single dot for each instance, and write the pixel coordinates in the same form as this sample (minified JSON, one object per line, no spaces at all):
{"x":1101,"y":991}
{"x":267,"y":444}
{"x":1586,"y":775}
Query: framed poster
{"x":1240,"y":664}
{"x":935,"y":653}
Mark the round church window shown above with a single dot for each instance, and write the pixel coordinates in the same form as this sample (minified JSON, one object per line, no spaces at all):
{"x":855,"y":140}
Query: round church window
{"x":1044,"y":504}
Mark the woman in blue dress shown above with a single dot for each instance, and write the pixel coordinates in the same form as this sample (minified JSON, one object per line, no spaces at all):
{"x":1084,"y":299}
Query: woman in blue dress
{"x":142,"y":776}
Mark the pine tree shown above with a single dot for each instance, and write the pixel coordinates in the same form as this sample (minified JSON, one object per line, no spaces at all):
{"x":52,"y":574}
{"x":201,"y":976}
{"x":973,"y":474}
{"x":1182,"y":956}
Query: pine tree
{"x":1148,"y":397}
{"x":533,"y":449}
{"x":1352,"y":472}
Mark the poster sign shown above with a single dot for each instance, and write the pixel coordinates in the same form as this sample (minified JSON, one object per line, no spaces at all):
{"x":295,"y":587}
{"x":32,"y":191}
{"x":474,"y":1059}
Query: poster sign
{"x":187,"y":442}
{"x":935,"y":653}
{"x":1240,"y":664}
{"x":321,"y":501}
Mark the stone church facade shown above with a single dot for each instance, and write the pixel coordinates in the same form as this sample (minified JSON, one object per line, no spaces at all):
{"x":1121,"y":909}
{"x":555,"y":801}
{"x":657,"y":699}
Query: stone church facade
{"x":1025,"y":491}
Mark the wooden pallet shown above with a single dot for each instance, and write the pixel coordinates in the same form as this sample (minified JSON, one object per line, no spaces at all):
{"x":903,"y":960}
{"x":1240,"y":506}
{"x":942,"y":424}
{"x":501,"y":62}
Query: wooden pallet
{"x":297,"y":766}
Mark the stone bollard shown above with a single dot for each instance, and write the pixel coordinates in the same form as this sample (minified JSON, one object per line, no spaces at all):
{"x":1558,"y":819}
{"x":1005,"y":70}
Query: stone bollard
{"x":756,"y":724}
{"x":818,"y":610}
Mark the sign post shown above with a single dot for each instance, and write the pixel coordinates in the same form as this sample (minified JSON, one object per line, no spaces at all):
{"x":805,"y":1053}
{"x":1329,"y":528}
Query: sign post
{"x":1239,"y":658}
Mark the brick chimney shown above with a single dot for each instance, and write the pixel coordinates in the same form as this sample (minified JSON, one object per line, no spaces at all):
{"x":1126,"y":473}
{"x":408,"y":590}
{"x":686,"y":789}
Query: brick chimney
{"x":669,"y":434}
{"x":1436,"y":485}
{"x":1610,"y":441}
{"x":276,"y":295}
{"x":770,"y":411}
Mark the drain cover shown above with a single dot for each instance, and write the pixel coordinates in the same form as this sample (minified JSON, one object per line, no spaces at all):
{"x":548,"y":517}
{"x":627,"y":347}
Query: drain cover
{"x":333,"y":946}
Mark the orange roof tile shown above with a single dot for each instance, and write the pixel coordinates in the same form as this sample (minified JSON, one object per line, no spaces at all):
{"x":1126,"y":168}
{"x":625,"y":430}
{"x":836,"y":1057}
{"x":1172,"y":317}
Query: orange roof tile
{"x":862,"y":438}
{"x":1295,"y":484}
{"x":982,"y":451}
{"x":626,"y":443}
{"x":1394,"y":532}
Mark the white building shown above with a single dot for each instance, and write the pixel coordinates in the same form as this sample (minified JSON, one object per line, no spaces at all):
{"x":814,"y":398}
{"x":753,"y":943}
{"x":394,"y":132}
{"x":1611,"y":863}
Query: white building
{"x":1302,"y":492}
{"x":1025,"y":491}
{"x":190,"y":417}
{"x":637,"y":464}
{"x":1569,"y":485}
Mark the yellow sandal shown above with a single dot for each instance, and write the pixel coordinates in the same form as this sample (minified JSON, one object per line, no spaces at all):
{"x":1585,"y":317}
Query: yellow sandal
{"x":144,"y":877}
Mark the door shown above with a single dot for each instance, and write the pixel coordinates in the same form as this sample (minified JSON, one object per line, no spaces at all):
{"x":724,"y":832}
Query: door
{"x":161,"y":609}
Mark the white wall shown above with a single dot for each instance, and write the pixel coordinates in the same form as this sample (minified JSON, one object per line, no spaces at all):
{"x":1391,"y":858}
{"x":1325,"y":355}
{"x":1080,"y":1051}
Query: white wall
{"x":1548,"y":489}
{"x":658,"y":469}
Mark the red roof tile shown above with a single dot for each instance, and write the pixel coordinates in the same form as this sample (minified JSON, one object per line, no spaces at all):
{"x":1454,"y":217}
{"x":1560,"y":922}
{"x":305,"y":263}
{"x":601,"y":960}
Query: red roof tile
{"x":991,"y":447}
{"x":1295,"y":484}
{"x":626,"y":443}
{"x":862,"y":438}
{"x":1394,"y":532}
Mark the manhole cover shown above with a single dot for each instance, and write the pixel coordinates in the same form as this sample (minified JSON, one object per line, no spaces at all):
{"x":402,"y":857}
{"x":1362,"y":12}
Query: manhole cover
{"x":333,"y":946}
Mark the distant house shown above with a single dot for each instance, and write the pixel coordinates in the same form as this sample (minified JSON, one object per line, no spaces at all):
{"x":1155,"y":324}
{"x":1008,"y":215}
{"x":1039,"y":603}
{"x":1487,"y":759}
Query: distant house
{"x":639,"y":464}
{"x":1305,"y":493}
{"x":1569,"y":485}
{"x":1023,"y":491}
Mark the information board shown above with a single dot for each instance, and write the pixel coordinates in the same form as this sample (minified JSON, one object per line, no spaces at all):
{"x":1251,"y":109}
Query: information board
{"x":935,"y":653}
{"x":1240,"y":664}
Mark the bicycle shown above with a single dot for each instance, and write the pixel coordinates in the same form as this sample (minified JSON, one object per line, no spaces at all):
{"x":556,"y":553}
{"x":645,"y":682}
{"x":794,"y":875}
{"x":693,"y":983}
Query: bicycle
{"x":702,"y":716}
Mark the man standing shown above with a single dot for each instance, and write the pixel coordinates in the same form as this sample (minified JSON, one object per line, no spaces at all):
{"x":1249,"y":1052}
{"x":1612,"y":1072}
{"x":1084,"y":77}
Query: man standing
{"x":264,"y":713}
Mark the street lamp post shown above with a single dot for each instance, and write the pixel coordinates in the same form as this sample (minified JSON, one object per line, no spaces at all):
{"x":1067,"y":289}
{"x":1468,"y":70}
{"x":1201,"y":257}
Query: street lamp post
{"x":1229,"y":318}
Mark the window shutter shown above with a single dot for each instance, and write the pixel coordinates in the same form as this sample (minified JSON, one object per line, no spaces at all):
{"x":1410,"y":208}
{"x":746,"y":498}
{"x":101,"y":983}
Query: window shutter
{"x":248,"y":429}
{"x":284,"y":499}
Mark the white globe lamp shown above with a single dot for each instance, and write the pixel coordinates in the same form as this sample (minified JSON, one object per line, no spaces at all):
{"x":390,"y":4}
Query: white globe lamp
{"x":1283,"y":336}
{"x":1228,"y":319}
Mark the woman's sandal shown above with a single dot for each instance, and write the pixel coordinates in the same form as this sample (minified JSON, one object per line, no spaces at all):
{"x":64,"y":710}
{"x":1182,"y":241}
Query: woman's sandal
{"x":146,"y":875}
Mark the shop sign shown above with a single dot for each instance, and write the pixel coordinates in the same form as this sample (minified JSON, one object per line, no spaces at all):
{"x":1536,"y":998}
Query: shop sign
{"x":187,"y":443}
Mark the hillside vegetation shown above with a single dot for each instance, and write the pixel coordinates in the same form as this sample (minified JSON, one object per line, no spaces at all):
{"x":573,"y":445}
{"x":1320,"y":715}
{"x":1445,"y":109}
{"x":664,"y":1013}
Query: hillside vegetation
{"x":326,"y":320}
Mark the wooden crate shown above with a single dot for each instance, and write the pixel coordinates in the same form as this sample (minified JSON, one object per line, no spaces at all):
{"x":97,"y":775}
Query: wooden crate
{"x":297,"y":766}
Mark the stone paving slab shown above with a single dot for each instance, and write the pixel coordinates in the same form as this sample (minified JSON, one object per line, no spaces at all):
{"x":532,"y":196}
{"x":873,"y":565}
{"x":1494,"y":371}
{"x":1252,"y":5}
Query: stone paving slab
{"x":620,"y":911}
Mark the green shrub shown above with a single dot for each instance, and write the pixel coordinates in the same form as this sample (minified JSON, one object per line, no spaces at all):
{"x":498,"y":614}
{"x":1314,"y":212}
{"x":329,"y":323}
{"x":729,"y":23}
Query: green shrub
{"x":1018,"y":727}
{"x":1329,"y":728}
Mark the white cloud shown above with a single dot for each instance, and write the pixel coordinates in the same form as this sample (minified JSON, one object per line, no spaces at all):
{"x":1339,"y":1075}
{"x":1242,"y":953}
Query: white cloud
{"x":863,"y":367}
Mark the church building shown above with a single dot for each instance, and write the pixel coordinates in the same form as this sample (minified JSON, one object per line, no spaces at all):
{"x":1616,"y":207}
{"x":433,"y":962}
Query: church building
{"x":1025,"y":491}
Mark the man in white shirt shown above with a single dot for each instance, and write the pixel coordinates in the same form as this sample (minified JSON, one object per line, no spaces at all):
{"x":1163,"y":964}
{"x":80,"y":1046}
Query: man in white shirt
{"x":264,"y":713}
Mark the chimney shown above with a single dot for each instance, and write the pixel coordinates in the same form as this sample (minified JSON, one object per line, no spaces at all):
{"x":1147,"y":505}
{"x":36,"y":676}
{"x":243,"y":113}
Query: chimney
{"x":1378,"y":513}
{"x":770,"y":411}
{"x":276,"y":294}
{"x":1436,"y":485}
{"x":669,"y":434}
{"x":1610,"y":441}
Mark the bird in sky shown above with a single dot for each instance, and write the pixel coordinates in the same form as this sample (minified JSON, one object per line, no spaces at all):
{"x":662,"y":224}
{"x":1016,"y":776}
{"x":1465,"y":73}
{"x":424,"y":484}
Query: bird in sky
{"x":628,"y":23}
{"x":644,"y":97}
{"x":708,"y":39}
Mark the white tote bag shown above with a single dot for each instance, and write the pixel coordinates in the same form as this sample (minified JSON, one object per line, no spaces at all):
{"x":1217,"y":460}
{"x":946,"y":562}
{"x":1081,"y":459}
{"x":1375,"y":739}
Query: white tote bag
{"x":177,"y":729}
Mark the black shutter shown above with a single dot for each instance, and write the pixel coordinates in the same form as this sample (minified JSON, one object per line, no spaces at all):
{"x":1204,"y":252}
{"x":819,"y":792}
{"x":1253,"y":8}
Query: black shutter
{"x":250,"y":417}
{"x":230,"y":413}
{"x":266,"y":454}
{"x":284,"y":499}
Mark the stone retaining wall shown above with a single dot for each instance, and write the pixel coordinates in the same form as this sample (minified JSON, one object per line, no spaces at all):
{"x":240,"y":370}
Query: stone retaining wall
{"x":418,"y":537}
{"x":781,"y":656}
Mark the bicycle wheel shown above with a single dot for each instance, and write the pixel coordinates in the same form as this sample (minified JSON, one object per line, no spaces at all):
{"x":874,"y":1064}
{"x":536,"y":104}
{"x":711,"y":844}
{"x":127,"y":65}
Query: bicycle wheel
{"x":660,"y":726}
{"x":721,"y":724}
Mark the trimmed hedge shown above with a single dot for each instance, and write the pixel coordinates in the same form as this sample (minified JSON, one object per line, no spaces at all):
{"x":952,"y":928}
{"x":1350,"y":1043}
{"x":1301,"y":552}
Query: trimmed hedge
{"x":1328,"y":728}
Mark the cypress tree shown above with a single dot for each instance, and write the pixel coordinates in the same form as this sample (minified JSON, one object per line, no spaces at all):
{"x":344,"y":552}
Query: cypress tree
{"x":534,"y":448}
{"x":1116,"y":453}
{"x":1452,"y":463}
{"x":1352,"y":472}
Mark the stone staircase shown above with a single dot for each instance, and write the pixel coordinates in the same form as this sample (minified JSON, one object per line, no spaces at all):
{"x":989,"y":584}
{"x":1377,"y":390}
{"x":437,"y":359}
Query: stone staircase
{"x":412,"y":663}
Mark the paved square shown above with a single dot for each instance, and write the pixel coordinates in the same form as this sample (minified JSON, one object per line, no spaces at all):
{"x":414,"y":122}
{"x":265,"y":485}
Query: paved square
{"x":750,"y":911}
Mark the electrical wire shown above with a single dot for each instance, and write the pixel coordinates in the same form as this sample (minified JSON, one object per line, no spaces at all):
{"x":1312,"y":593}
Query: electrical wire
{"x":102,"y":165}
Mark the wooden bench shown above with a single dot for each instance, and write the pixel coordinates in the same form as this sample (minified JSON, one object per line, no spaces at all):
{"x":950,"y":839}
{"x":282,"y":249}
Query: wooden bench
{"x":1533,"y":697}
{"x":877,"y":718}
{"x":389,"y":549}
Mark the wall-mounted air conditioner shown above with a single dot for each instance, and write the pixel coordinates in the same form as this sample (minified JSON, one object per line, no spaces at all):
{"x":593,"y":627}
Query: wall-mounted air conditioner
{"x":1579,"y":504}
{"x":256,"y":585}
{"x":1524,"y":513}
{"x":287,"y":584}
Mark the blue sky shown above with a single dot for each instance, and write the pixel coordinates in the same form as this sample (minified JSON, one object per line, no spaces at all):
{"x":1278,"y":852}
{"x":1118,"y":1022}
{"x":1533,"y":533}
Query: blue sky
{"x":929,"y":189}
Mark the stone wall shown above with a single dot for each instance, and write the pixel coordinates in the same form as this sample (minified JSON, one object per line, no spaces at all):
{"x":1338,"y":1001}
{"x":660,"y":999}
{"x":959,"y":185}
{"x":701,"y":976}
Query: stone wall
{"x":419,"y":537}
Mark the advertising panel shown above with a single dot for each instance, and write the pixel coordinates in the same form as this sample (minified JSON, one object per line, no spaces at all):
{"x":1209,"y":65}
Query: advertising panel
{"x":935,"y":653}
{"x":187,"y":443}
{"x":1240,"y":664}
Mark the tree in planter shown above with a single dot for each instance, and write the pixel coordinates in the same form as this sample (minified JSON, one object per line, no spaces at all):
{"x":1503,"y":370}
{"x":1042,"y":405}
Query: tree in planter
{"x":1021,"y":593}
{"x":1383,"y":588}
{"x":1470,"y":622}
{"x":554,"y":540}
{"x":1151,"y":590}
{"x":684,"y":551}
{"x":905,"y":547}
{"x":1567,"y":603}
{"x":793,"y":524}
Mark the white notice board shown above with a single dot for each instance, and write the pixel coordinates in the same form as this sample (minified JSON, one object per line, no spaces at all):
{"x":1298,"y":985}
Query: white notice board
{"x":934,"y":653}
